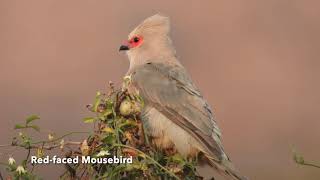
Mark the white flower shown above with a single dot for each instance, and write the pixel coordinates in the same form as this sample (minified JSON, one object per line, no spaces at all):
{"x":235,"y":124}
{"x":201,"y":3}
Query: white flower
{"x":103,"y":153}
{"x":21,"y":170}
{"x":11,"y":161}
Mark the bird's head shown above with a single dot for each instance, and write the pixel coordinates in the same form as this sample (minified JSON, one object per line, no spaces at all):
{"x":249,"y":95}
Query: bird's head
{"x":149,"y":40}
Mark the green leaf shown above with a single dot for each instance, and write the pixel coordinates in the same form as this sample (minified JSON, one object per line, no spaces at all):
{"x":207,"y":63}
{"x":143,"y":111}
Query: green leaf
{"x":97,"y":101}
{"x":107,"y":112}
{"x":177,"y":158}
{"x":108,"y":139}
{"x":128,"y":123}
{"x":89,"y":120}
{"x":35,"y":127}
{"x":19,"y":126}
{"x":31,"y":118}
{"x":109,"y":104}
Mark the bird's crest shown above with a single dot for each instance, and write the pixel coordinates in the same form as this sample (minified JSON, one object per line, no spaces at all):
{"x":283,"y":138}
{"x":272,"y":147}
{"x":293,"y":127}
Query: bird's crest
{"x":154,"y":24}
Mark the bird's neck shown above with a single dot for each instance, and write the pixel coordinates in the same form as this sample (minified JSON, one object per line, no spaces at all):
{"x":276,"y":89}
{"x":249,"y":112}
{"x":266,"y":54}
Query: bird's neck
{"x":166,"y":56}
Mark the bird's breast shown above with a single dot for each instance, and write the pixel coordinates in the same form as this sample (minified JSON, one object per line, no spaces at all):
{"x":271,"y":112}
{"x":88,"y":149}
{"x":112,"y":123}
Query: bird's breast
{"x":167,"y":134}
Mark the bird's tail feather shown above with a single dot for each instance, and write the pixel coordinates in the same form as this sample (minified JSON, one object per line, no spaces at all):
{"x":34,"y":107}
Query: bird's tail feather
{"x":226,"y":169}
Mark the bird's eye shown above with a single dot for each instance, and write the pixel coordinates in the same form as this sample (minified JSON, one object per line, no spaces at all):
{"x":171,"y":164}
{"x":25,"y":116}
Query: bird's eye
{"x":136,"y":39}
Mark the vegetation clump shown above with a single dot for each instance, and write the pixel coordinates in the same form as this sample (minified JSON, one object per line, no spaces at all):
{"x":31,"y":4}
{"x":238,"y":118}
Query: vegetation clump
{"x":117,"y":131}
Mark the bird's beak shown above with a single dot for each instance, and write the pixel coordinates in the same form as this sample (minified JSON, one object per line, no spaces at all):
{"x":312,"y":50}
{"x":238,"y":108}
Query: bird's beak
{"x":124,"y":47}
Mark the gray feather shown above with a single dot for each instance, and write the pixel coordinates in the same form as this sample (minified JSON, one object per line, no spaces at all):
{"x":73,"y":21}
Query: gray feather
{"x":170,"y":90}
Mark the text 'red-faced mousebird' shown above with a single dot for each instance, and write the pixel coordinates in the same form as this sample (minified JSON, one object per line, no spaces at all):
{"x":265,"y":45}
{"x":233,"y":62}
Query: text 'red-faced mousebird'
{"x":175,"y":114}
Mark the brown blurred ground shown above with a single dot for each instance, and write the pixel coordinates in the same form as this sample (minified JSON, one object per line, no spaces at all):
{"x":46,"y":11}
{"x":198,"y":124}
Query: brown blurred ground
{"x":257,"y":63}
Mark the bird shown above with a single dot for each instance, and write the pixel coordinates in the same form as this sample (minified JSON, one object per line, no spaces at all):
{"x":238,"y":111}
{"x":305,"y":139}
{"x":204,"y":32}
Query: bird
{"x":175,"y":114}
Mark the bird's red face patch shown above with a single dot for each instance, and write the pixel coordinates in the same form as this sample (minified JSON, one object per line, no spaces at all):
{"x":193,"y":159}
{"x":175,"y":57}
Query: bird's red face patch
{"x":135,"y":41}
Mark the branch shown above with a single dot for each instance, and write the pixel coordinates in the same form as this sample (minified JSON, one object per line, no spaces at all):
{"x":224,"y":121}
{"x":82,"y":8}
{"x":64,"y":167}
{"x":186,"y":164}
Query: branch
{"x":299,"y":159}
{"x":309,"y":164}
{"x":46,"y":147}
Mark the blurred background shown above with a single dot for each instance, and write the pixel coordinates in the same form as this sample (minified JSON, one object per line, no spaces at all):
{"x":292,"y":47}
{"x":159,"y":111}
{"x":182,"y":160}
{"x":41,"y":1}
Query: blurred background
{"x":256,"y":62}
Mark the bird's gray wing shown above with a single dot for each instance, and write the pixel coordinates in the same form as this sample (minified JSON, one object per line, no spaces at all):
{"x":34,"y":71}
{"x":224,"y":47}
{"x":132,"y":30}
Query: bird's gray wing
{"x":169,"y":89}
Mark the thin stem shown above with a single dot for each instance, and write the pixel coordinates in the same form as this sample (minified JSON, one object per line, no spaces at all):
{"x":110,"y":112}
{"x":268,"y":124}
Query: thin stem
{"x":61,"y":137}
{"x":47,"y":147}
{"x":310,"y":164}
{"x":43,"y":142}
{"x":33,"y":166}
{"x":5,"y":145}
{"x":27,"y":158}
{"x":1,"y":176}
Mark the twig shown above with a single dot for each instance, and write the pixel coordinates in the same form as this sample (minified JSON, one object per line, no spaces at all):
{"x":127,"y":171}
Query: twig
{"x":150,"y":158}
{"x":61,"y":137}
{"x":29,"y":151}
{"x":310,"y":164}
{"x":1,"y":176}
{"x":43,"y":142}
{"x":47,"y":147}
{"x":33,"y":166}
{"x":5,"y":145}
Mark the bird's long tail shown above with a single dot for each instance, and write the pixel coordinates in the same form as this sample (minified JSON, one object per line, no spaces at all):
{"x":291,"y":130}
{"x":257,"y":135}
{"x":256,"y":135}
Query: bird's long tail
{"x":226,"y":169}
